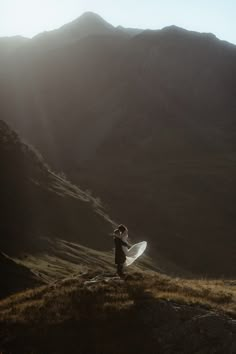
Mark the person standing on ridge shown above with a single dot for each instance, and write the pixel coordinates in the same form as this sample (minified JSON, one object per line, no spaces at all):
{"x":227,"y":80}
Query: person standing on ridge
{"x":120,"y":239}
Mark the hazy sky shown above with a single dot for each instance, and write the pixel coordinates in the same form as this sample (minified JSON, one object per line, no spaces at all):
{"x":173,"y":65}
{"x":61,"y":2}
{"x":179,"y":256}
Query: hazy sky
{"x":29,"y":17}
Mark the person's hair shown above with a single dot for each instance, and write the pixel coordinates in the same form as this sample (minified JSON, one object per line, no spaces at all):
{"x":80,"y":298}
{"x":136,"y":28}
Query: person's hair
{"x":122,"y":228}
{"x":117,"y":232}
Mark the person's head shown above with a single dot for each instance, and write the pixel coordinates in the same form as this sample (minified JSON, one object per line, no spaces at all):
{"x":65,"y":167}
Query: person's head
{"x":117,"y":232}
{"x":122,"y":228}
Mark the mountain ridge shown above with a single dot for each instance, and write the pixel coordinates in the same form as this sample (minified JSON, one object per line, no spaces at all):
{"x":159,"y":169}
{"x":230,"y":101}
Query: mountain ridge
{"x":95,"y":24}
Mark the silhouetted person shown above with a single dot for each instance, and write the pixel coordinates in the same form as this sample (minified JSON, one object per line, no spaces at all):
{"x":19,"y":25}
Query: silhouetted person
{"x":120,"y":239}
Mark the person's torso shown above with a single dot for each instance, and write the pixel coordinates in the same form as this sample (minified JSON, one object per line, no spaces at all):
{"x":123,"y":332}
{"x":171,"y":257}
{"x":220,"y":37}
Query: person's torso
{"x":119,"y":253}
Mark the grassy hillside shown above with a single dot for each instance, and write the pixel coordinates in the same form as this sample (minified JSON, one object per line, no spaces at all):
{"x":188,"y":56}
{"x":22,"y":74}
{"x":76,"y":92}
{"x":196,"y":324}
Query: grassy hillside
{"x":59,"y":259}
{"x":146,"y":312}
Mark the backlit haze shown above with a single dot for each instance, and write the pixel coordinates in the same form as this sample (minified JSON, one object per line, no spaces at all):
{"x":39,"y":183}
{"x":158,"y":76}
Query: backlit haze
{"x":30,"y":17}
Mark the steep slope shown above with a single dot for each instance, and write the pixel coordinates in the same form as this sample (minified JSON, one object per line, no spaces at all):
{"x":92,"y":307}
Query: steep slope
{"x":49,"y":227}
{"x":146,"y":312}
{"x":15,"y":277}
{"x":61,"y":259}
{"x":35,"y":202}
{"x":149,"y":124}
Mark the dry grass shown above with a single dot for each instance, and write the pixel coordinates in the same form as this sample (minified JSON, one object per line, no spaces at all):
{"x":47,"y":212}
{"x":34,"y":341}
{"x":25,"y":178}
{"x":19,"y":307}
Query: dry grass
{"x":144,"y":313}
{"x":217,"y":294}
{"x":78,"y":298}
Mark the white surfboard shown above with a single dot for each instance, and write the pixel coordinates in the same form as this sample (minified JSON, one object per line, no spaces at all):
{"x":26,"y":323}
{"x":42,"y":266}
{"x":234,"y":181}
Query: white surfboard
{"x":134,"y":252}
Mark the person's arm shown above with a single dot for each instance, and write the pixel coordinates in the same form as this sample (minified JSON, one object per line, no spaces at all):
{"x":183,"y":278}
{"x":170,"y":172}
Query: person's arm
{"x":126,"y":244}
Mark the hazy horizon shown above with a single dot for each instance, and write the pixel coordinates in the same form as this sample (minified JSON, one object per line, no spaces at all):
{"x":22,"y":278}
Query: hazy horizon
{"x":28,"y":18}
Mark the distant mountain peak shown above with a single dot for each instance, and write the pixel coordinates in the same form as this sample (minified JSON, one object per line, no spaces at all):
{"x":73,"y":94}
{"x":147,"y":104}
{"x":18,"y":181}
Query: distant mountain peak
{"x":91,"y":15}
{"x":90,"y":19}
{"x":88,"y":24}
{"x":174,"y":29}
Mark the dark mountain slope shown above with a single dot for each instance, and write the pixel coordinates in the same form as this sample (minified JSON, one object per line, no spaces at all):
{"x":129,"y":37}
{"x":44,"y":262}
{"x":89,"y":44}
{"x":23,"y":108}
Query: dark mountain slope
{"x":37,"y":209}
{"x":173,"y":151}
{"x":149,"y":124}
{"x":37,"y":203}
{"x":15,"y":277}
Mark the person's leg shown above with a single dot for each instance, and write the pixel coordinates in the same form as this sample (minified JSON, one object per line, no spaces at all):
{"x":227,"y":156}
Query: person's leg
{"x":120,"y":269}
